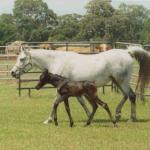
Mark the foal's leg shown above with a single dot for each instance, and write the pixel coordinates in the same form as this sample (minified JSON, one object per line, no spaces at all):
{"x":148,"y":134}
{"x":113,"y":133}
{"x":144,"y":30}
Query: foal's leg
{"x":55,"y":111}
{"x":51,"y":115}
{"x":94,"y":106}
{"x":81,"y":101}
{"x":105,"y":106}
{"x":68,"y":111}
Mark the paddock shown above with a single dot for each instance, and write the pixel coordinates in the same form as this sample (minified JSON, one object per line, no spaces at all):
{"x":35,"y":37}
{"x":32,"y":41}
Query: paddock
{"x":21,"y":123}
{"x":7,"y":59}
{"x":21,"y":118}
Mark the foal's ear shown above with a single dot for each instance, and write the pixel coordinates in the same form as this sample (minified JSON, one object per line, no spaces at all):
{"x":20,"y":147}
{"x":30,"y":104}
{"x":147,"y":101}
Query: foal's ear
{"x":46,"y":71}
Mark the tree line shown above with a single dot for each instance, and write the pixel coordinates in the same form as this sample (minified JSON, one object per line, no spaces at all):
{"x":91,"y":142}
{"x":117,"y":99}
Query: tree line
{"x":32,"y":20}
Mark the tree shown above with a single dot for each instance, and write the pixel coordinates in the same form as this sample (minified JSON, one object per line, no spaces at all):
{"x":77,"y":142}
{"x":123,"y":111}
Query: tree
{"x":34,"y":16}
{"x":145,"y":33}
{"x":134,"y":17}
{"x":67,"y":29}
{"x":94,"y":24}
{"x":8,"y":30}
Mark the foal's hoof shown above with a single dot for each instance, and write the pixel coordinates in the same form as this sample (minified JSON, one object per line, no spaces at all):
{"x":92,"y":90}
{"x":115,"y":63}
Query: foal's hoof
{"x":118,"y":117}
{"x":71,"y":124}
{"x":47,"y":121}
{"x":115,"y":124}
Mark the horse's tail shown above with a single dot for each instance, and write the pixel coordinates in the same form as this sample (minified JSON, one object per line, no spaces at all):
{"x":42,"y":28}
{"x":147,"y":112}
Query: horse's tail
{"x":143,"y":58}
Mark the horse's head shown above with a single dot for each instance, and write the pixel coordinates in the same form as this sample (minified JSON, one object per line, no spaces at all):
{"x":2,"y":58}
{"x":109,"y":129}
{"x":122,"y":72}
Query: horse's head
{"x":44,"y":78}
{"x":23,"y":64}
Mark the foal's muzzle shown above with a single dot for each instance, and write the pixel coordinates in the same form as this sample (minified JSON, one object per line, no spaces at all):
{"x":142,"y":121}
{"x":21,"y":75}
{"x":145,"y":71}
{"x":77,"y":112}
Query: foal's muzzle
{"x":37,"y":87}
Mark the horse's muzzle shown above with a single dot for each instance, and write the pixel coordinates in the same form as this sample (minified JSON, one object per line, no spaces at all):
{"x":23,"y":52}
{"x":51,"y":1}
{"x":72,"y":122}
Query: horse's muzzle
{"x":13,"y":74}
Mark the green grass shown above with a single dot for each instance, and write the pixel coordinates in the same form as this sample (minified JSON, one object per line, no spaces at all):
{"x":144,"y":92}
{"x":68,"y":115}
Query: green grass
{"x":21,"y":126}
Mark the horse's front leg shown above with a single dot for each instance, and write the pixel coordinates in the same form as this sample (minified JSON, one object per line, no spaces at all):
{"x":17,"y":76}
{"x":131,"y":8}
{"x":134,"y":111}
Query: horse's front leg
{"x":82,"y":102}
{"x":51,"y":115}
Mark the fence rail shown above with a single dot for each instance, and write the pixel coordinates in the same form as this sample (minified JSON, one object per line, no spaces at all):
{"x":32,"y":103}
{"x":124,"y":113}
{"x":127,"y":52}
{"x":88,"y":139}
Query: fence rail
{"x":30,"y":88}
{"x":8,"y":62}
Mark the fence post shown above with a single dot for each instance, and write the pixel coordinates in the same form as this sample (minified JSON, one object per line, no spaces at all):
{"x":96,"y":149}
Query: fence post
{"x":103,"y":88}
{"x":29,"y":92}
{"x":19,"y":85}
{"x":7,"y":70}
{"x":66,"y":46}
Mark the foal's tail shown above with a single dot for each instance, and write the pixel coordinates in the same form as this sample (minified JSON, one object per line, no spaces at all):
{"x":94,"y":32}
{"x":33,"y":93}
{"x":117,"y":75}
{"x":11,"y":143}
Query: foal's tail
{"x":143,"y":58}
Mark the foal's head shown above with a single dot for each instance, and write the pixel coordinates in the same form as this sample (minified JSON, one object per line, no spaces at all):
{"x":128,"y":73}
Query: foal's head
{"x":47,"y":77}
{"x":44,"y":78}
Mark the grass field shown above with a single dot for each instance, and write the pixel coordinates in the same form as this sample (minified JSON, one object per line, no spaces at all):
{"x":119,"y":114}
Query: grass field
{"x":21,"y":126}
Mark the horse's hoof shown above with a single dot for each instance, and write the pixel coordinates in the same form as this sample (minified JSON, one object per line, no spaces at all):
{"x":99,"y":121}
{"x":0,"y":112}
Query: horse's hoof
{"x":87,"y":124}
{"x":47,"y":121}
{"x":56,"y":123}
{"x":132,"y":120}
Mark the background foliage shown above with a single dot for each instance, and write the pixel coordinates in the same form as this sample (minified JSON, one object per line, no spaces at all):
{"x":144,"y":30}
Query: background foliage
{"x":32,"y":20}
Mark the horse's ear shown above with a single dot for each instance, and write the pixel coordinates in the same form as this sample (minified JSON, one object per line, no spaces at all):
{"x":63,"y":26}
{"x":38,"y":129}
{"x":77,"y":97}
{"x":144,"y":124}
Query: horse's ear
{"x":23,"y":49}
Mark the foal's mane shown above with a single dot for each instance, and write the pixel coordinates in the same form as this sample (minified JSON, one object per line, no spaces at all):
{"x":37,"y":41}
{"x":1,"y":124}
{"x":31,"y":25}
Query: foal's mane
{"x":57,"y":76}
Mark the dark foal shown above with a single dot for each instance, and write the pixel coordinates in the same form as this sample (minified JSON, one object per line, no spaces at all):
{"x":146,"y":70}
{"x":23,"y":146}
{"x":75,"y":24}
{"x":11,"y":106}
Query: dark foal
{"x":67,"y":88}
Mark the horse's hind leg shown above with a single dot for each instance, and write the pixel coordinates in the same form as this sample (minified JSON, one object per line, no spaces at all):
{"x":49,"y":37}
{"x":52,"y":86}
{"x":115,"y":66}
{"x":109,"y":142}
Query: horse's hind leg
{"x":68,"y":111}
{"x":123,"y":100}
{"x":105,"y":106}
{"x":132,"y":98}
{"x":127,"y":92}
{"x":94,"y":106}
{"x":119,"y":107}
{"x":81,"y":101}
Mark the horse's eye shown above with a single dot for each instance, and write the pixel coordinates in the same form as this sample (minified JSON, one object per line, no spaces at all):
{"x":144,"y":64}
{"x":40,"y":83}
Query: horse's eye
{"x":22,"y":59}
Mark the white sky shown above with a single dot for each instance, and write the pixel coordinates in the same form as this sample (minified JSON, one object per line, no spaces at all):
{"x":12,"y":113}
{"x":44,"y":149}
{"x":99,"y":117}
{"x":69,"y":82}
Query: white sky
{"x":68,"y":6}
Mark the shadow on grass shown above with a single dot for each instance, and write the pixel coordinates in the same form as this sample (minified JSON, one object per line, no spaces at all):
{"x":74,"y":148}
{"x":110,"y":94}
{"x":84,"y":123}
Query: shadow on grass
{"x":101,"y":122}
{"x":107,"y":120}
{"x":143,"y":120}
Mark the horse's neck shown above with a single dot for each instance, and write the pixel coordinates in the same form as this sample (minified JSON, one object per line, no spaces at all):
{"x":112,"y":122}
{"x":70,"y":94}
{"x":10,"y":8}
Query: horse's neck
{"x":40,"y":59}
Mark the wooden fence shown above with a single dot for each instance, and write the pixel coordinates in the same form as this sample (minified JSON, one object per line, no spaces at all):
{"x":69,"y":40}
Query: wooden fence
{"x":7,"y":65}
{"x":30,"y":88}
